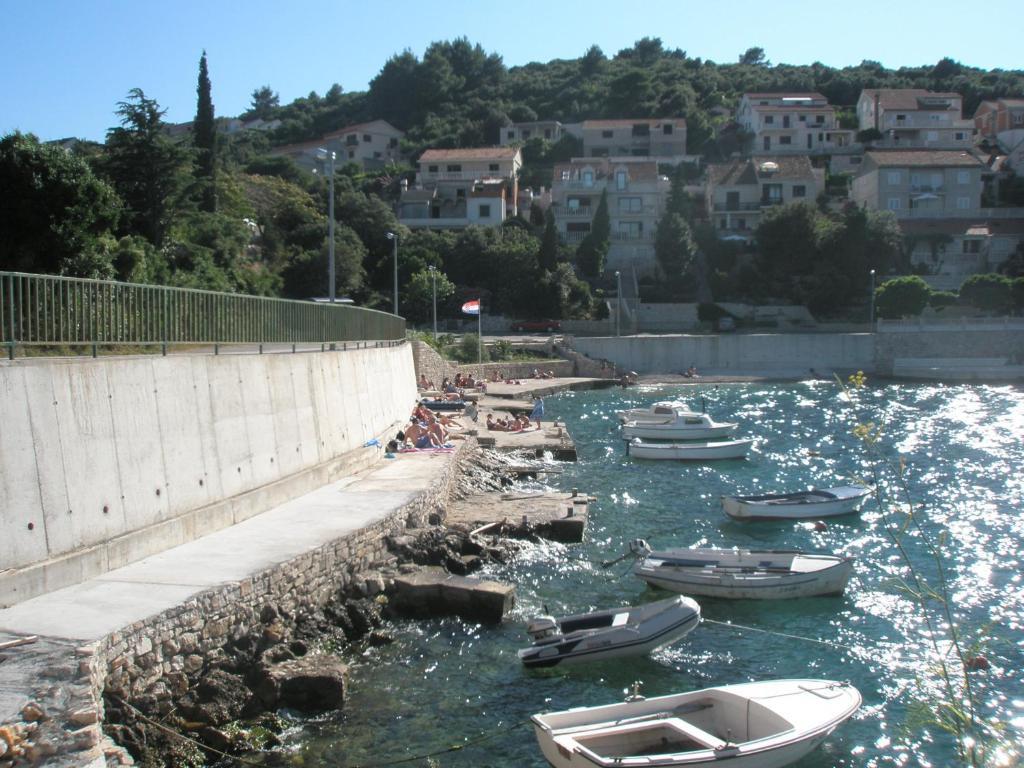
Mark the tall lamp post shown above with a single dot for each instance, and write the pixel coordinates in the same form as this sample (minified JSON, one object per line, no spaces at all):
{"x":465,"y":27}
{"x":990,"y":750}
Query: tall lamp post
{"x":871,"y":304}
{"x":328,"y":157}
{"x":433,"y":277}
{"x":618,"y":300}
{"x":393,"y":237}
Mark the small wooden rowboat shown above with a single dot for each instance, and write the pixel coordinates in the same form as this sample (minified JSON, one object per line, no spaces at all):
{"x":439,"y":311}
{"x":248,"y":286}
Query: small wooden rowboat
{"x":767,"y":724}
{"x":743,"y":573}
{"x":701,"y":450}
{"x":610,"y":633}
{"x":818,"y":502}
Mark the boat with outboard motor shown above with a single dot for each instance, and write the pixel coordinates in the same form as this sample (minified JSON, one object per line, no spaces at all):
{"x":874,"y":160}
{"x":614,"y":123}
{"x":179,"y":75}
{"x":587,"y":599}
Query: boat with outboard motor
{"x":817,"y":502}
{"x":608,"y":634}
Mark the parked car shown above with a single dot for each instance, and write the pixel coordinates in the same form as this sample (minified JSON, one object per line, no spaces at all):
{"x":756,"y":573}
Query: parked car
{"x":537,"y":325}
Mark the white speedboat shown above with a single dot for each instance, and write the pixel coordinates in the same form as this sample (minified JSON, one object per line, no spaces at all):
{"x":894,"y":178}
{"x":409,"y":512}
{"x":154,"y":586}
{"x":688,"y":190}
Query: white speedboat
{"x":817,"y":502}
{"x":610,"y":633}
{"x":742,"y":573}
{"x":767,"y":724}
{"x":698,"y":450}
{"x":658,"y":412}
{"x":683,"y":425}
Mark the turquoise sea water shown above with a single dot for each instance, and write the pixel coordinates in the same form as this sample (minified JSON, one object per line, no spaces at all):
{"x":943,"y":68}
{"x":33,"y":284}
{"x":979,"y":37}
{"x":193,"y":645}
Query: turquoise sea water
{"x":448,"y":682}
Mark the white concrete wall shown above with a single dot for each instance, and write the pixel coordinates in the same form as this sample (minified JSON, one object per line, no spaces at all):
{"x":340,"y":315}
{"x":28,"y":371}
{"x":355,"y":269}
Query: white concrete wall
{"x":94,"y":452}
{"x":734,"y":352}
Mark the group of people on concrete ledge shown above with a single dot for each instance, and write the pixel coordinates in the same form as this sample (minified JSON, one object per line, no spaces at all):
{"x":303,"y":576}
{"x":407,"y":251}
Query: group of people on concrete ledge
{"x":425,"y":430}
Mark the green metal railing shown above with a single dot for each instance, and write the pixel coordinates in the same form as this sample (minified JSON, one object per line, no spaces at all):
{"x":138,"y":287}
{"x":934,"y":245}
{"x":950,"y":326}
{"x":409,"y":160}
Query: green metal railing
{"x":44,"y":310}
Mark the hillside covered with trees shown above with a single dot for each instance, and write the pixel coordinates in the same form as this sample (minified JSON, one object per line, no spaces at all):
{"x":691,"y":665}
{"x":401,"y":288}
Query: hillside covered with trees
{"x":217,"y":211}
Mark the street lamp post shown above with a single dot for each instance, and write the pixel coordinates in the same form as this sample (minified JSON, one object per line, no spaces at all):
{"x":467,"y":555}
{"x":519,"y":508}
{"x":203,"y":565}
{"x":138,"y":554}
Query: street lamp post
{"x":433,"y":277}
{"x":871,"y":304}
{"x":329,"y":158}
{"x":393,"y":237}
{"x":618,"y":301}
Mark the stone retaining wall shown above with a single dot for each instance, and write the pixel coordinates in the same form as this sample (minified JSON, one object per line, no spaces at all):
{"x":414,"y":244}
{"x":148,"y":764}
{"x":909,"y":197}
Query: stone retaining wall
{"x":436,"y":368}
{"x":925,"y":343}
{"x":167,"y":651}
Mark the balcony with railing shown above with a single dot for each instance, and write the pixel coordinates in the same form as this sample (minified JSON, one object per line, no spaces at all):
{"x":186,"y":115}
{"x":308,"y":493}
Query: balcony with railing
{"x":736,"y":207}
{"x":935,"y":189}
{"x":568,"y":212}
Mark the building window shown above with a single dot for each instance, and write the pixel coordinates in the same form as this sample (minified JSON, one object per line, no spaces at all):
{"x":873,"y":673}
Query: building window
{"x":351,"y":154}
{"x":460,"y":194}
{"x":588,"y":178}
{"x":377,"y":155}
{"x":547,"y":133}
{"x":351,"y":140}
{"x":431,"y":169}
{"x":894,"y":177}
{"x":767,"y":142}
{"x":802,"y":118}
{"x":960,"y":135}
{"x":565,"y":175}
{"x":510,"y":135}
{"x":366,"y":138}
{"x":900,"y":118}
{"x":526,"y":134}
{"x":455,"y":168}
{"x":630,"y":204}
{"x":666,"y":129}
{"x":972,"y":246}
{"x":485,"y":211}
{"x":621,"y":180}
{"x":492,"y":167}
{"x":393,"y":144}
{"x":606,"y":134}
{"x":641,"y":129}
{"x":632,"y":230}
{"x":963,"y":177}
{"x":769,"y":119}
{"x":799,"y":190}
{"x":785,"y":139}
{"x":963,"y":203}
{"x":894,"y":204}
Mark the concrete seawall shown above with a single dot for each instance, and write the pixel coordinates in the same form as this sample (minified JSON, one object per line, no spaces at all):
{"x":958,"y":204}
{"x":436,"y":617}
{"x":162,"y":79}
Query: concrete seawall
{"x":103,"y":462}
{"x":734,"y":352}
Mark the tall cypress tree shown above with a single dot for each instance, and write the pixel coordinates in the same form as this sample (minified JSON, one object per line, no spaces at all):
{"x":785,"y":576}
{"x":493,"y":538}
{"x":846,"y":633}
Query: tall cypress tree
{"x":548,"y":256}
{"x":204,"y":135}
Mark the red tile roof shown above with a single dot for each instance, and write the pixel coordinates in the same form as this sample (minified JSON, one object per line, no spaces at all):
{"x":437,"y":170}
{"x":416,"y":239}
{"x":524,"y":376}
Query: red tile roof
{"x":753,"y":171}
{"x":604,"y":168}
{"x":476,"y":153}
{"x":358,"y":127}
{"x":994,"y":227}
{"x":922,"y":157}
{"x":625,"y":123}
{"x":904,"y":98}
{"x":787,"y":95}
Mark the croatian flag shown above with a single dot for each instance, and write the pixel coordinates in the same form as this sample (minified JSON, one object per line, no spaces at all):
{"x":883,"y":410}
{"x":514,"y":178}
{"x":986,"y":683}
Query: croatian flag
{"x":471,"y":307}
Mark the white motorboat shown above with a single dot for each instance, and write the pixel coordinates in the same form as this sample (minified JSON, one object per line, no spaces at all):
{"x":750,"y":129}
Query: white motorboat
{"x":742,"y":573}
{"x":817,"y":502}
{"x":698,"y":450}
{"x":658,"y":412}
{"x":683,"y":425}
{"x":768,"y":724}
{"x":610,"y":633}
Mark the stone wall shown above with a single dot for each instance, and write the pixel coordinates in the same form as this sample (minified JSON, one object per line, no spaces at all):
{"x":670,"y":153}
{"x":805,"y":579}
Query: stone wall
{"x":436,"y":368}
{"x":945,"y":343}
{"x":153,"y":662}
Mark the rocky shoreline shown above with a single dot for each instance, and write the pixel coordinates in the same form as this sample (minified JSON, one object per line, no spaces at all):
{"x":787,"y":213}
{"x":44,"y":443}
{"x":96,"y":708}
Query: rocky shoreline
{"x":224,"y":703}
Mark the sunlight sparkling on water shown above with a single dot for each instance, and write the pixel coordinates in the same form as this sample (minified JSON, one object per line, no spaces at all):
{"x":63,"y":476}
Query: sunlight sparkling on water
{"x":446,"y":681}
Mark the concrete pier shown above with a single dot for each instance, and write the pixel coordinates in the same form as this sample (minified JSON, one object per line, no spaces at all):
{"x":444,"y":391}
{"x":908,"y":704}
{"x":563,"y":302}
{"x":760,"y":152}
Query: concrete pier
{"x":432,"y":591}
{"x":557,"y":516}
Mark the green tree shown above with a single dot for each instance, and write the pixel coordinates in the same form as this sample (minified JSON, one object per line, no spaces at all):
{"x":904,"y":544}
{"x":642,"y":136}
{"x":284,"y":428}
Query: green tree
{"x":55,"y":211}
{"x":418,"y":294}
{"x":264,"y":104}
{"x":674,"y":247}
{"x":204,"y":136}
{"x":788,"y":239}
{"x":548,"y":255}
{"x":990,"y":293}
{"x":591,"y":253}
{"x":902,"y":297}
{"x":754,"y":57}
{"x":145,"y":166}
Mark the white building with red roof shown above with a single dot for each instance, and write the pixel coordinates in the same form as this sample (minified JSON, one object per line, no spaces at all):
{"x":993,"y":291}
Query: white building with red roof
{"x":662,"y":138}
{"x":457,"y":188}
{"x":372,"y":145}
{"x":914,"y":118}
{"x":795,"y":123}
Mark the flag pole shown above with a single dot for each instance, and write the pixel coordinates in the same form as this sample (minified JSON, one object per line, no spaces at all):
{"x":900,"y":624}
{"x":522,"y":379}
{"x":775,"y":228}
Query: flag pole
{"x":480,"y":334}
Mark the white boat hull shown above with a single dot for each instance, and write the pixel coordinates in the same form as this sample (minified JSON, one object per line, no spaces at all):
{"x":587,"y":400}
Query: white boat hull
{"x":745,"y":574}
{"x":768,"y":724}
{"x":784,"y":507}
{"x":653,"y":431}
{"x":696,"y":451}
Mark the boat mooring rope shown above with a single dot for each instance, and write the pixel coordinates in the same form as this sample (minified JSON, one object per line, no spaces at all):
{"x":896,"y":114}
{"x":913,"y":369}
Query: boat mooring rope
{"x":831,"y":643}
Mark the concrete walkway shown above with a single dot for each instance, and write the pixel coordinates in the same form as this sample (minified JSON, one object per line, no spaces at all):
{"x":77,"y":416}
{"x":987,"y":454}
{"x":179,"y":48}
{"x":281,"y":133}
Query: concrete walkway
{"x":91,"y":610}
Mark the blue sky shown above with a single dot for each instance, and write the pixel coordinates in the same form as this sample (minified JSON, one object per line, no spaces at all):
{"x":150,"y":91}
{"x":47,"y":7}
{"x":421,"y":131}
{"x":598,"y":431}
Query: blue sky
{"x":66,"y":64}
